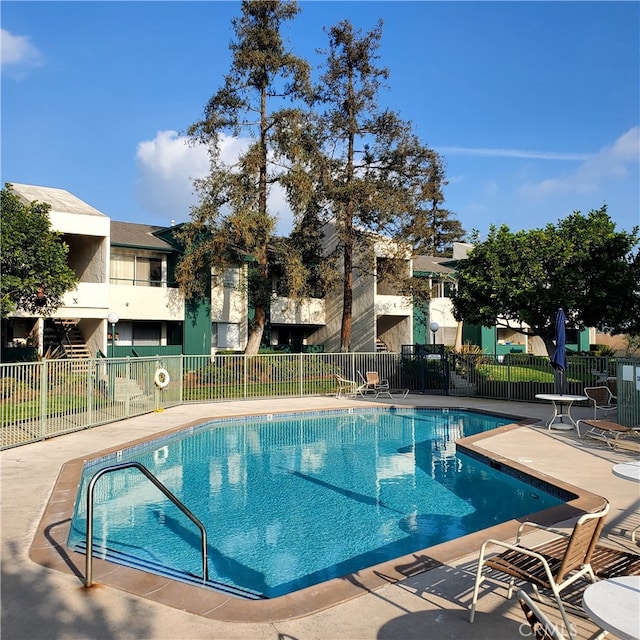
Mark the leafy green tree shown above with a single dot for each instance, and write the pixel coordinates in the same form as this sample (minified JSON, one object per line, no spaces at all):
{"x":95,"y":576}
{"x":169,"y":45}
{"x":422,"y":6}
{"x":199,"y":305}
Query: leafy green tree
{"x":367,"y":172}
{"x":232,"y":219}
{"x":583,"y":265}
{"x":34,"y":273}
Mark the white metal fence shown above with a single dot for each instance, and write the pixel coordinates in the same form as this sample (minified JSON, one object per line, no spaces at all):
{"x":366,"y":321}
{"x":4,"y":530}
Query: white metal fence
{"x":43,"y":399}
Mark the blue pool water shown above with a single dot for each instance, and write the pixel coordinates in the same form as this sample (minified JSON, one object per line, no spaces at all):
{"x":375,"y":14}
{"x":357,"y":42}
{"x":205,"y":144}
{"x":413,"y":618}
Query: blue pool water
{"x":293,"y":500}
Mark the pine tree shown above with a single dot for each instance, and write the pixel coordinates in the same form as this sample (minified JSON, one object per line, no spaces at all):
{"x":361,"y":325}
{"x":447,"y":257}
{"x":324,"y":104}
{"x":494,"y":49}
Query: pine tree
{"x":232,"y":219}
{"x":374,"y":177}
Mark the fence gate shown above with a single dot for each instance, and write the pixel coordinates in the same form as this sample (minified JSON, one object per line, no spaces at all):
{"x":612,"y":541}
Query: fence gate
{"x":425,"y":368}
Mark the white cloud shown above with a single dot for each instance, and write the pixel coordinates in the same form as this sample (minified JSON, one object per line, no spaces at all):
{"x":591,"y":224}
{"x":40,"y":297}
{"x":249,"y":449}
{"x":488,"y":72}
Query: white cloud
{"x":167,"y":166}
{"x":17,"y":53}
{"x":512,"y":153}
{"x":613,"y":162}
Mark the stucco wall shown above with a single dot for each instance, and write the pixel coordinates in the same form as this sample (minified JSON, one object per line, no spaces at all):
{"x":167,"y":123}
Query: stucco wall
{"x":146,"y":303}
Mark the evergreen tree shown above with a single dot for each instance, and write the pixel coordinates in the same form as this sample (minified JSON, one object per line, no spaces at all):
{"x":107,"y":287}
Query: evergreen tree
{"x":374,"y":178}
{"x":232,"y":219}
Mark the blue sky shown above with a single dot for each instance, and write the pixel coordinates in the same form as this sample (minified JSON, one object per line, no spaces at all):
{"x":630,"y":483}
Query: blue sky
{"x":534,"y":105}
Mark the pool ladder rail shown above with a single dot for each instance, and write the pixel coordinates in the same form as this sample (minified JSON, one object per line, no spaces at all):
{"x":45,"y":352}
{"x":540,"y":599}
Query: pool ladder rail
{"x":88,"y":579}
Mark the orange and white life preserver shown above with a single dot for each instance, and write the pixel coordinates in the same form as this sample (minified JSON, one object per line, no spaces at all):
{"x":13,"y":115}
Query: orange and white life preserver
{"x":161,"y":378}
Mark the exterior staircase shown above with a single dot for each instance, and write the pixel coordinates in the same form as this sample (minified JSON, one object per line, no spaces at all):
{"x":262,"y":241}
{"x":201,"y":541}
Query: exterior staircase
{"x":128,"y":389}
{"x":460,"y":386}
{"x":63,"y":334}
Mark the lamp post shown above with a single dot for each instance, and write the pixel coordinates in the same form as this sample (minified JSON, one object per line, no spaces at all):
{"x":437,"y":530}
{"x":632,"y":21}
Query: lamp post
{"x":113,"y":319}
{"x":434,"y":326}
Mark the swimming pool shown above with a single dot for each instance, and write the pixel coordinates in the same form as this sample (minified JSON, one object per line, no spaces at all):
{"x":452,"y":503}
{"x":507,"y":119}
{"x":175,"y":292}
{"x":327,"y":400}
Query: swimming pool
{"x":292,"y":500}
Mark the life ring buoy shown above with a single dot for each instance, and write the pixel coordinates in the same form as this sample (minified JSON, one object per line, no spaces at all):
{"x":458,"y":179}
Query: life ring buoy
{"x":162,"y":378}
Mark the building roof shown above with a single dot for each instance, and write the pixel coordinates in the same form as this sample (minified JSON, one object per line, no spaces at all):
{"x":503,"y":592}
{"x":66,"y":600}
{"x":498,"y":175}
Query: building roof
{"x":60,"y":200}
{"x":141,"y":236}
{"x":433,"y":264}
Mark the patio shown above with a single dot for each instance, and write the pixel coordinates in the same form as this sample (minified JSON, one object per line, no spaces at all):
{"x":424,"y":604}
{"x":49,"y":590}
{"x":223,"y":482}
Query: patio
{"x":41,"y":603}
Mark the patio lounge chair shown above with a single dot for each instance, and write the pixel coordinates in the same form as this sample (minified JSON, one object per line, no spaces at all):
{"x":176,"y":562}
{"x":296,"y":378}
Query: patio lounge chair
{"x":372,"y":383}
{"x":553,"y":565}
{"x":601,"y":398}
{"x":608,"y":431}
{"x":346,"y":387}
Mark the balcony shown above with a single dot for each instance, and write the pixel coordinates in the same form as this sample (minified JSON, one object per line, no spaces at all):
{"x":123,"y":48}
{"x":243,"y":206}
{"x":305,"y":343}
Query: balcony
{"x":147,"y":303}
{"x":393,"y":306}
{"x":88,"y":299}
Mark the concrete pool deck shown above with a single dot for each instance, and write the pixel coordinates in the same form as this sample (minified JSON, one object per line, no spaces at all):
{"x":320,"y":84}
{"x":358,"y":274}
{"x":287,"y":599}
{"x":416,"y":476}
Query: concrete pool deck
{"x":41,"y":603}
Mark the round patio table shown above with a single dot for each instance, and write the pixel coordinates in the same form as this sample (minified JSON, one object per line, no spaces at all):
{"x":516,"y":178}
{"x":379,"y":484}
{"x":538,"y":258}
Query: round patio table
{"x":627,"y":470}
{"x":561,"y":409}
{"x":614,"y":605}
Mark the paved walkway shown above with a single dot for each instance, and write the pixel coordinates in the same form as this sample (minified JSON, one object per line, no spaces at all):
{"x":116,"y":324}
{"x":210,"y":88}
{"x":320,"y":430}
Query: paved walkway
{"x":42,"y":604}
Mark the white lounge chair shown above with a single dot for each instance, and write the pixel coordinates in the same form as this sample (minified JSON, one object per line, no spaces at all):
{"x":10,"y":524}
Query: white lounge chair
{"x":601,"y":398}
{"x":553,"y":565}
{"x":374,"y":385}
{"x":346,"y":387}
{"x":608,"y":431}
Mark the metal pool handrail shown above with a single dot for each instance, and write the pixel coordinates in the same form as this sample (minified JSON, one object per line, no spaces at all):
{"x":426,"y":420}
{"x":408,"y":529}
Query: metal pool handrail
{"x":88,"y":581}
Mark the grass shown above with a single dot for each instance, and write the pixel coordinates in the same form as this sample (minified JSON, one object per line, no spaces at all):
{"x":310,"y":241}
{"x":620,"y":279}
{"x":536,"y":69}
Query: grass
{"x":495,"y":372}
{"x":511,"y":373}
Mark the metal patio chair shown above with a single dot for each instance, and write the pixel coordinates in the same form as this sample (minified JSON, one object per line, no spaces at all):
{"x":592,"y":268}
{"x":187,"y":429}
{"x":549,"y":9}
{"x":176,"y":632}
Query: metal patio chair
{"x":553,"y":565}
{"x":601,"y":398}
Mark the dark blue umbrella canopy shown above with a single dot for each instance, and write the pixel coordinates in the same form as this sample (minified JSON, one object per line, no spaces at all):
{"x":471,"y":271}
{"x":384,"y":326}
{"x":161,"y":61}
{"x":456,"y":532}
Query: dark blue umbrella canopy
{"x":559,"y":358}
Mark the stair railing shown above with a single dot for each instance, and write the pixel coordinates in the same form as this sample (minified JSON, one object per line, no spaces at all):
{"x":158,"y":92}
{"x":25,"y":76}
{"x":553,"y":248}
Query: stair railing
{"x":88,"y":579}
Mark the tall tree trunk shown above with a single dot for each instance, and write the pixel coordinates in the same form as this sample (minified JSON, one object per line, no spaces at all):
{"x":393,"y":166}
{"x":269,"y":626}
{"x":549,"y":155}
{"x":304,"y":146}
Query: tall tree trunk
{"x":260,"y":310}
{"x":257,"y":329}
{"x":347,"y":298}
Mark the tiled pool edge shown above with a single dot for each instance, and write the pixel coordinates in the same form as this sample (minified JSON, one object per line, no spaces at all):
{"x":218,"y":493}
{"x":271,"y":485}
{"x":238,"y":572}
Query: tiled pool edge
{"x":49,"y":549}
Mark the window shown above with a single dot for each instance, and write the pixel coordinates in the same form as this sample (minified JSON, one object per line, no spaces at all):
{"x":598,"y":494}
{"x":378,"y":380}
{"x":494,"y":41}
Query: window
{"x":442,"y":288}
{"x":572,"y":336}
{"x":140,"y":333}
{"x":148,"y":333}
{"x":141,"y":271}
{"x":123,"y":268}
{"x":148,"y":272}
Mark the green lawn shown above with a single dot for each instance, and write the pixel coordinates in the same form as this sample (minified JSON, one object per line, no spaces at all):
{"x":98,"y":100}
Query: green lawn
{"x":513,"y":373}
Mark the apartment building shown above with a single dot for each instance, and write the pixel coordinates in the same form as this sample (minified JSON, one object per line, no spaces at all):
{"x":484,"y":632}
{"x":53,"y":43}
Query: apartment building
{"x":127,"y":301}
{"x":87,"y":233}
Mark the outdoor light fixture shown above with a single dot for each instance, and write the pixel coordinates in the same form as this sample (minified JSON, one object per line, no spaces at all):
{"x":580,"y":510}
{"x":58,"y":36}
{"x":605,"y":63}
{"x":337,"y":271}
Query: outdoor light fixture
{"x":113,"y":319}
{"x":434,"y":326}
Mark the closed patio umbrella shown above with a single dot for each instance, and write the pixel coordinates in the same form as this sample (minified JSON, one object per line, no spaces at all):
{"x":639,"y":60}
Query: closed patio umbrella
{"x":559,"y":358}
